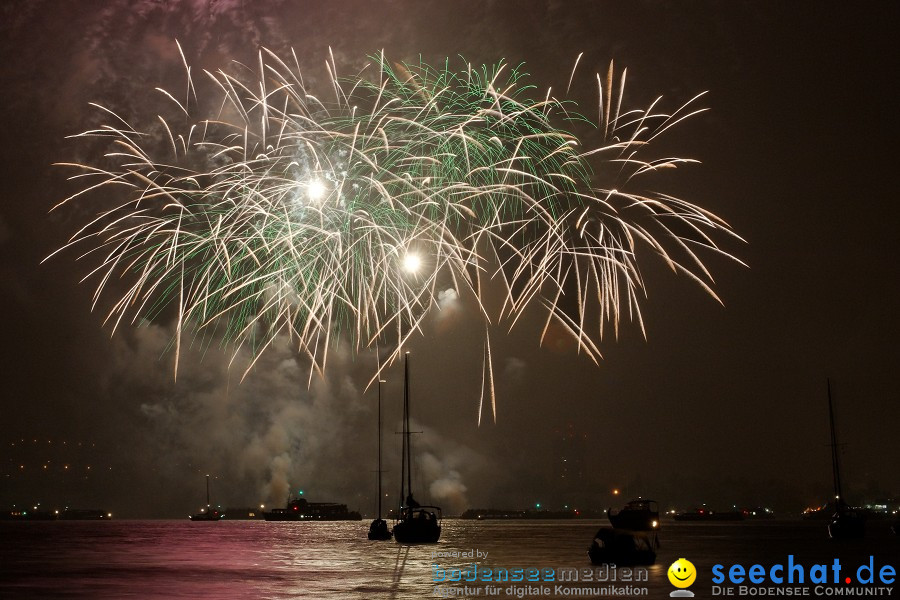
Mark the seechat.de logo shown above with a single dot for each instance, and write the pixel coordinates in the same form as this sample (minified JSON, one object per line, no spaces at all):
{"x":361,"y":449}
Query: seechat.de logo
{"x":682,"y":574}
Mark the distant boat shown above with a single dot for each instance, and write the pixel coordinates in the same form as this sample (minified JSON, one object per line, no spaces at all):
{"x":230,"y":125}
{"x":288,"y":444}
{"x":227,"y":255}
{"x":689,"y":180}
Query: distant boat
{"x":85,"y":514}
{"x":299,"y":509}
{"x":68,"y":514}
{"x":243,"y":513}
{"x":638,"y":515}
{"x":846,"y":522}
{"x":378,"y":530}
{"x":416,"y":524}
{"x":819,"y":513}
{"x":34,"y":514}
{"x":623,"y":548}
{"x":543,"y":513}
{"x":210,"y":514}
{"x":704,"y":514}
{"x":758,"y":513}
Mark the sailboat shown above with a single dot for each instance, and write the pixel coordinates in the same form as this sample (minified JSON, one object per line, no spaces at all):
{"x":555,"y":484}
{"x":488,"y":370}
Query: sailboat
{"x":846,"y":522}
{"x":210,"y":514}
{"x":378,"y":530}
{"x":416,"y":524}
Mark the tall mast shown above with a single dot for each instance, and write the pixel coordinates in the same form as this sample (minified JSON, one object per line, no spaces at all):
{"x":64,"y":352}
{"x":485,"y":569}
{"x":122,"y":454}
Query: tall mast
{"x":406,"y":424}
{"x":379,"y":448}
{"x":405,"y":436}
{"x":207,"y":491}
{"x":835,"y":466}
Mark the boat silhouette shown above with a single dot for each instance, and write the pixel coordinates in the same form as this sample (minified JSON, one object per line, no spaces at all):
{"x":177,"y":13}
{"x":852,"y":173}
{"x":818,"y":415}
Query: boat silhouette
{"x":300,"y":509}
{"x":846,"y":522}
{"x":623,"y":547}
{"x":638,"y":515}
{"x":210,"y":513}
{"x":415,"y":524}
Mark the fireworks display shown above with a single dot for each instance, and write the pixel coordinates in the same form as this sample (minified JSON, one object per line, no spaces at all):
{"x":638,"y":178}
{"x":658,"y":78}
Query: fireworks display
{"x":255,"y":209}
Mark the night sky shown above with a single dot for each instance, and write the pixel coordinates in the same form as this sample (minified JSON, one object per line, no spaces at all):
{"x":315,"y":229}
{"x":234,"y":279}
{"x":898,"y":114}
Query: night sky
{"x":720,"y":404}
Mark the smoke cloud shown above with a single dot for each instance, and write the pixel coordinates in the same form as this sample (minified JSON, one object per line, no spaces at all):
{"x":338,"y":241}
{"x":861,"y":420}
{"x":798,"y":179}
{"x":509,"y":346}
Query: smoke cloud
{"x":276,"y":432}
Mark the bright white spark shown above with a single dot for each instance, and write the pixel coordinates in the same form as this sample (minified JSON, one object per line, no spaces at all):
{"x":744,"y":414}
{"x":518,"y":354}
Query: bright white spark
{"x":412,"y":262}
{"x":315,"y":190}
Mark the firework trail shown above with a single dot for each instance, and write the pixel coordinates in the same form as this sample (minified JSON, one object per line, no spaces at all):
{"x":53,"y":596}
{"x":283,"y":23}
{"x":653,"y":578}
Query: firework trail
{"x":345,"y":214}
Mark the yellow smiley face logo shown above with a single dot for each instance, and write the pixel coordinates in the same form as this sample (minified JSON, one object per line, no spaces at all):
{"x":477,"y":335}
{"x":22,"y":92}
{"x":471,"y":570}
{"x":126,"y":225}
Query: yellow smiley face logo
{"x":682,"y":573}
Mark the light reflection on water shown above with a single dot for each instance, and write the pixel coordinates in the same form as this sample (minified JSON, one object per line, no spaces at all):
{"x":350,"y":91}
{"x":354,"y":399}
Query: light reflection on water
{"x":255,"y":559}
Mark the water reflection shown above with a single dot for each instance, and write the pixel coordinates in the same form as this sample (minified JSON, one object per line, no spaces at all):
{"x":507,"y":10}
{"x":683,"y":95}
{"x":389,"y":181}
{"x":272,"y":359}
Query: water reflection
{"x":250,"y":559}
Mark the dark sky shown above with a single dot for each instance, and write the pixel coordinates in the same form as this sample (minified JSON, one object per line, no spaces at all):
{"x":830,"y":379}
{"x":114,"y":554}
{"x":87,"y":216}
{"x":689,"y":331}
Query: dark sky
{"x":724,"y":405}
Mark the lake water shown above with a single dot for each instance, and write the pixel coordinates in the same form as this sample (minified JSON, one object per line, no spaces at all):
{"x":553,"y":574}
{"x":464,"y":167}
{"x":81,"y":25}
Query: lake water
{"x":256,"y":559}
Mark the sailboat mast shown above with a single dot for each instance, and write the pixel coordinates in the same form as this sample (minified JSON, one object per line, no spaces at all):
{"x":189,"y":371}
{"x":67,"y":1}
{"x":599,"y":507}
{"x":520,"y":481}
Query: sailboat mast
{"x":379,"y":448}
{"x":835,"y":466}
{"x":405,"y":436}
{"x":207,"y":491}
{"x":406,"y":424}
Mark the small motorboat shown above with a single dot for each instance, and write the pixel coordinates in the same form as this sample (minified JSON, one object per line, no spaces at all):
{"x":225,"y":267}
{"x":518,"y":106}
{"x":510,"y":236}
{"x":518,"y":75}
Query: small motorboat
{"x":623,"y":548}
{"x":846,"y":523}
{"x":378,"y":530}
{"x":638,"y":515}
